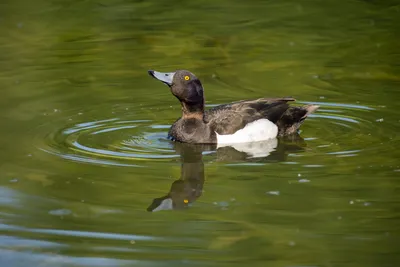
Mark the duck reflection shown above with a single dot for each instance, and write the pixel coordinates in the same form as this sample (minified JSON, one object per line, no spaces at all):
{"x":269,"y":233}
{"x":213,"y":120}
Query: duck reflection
{"x":189,"y":187}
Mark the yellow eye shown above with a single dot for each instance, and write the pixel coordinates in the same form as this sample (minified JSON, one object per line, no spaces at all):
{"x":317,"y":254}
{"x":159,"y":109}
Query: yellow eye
{"x":185,"y":200}
{"x":187,"y":78}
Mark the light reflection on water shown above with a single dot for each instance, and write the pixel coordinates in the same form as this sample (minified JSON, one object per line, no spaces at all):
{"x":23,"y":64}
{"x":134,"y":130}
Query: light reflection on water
{"x":4,"y":227}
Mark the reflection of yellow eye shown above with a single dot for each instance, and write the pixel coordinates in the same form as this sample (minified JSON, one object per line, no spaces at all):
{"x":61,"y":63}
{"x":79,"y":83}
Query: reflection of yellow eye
{"x":185,"y":200}
{"x":187,"y":78}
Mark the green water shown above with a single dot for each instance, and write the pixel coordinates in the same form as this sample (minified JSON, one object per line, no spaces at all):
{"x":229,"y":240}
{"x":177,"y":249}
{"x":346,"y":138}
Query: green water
{"x":83,"y":127}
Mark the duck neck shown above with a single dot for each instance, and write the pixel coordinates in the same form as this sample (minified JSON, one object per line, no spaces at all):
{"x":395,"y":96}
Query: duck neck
{"x":193,"y":110}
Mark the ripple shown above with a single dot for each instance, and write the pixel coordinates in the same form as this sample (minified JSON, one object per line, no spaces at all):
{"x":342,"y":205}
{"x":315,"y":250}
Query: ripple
{"x":347,"y":130}
{"x":86,"y":234}
{"x":114,"y":141}
{"x":127,"y":139}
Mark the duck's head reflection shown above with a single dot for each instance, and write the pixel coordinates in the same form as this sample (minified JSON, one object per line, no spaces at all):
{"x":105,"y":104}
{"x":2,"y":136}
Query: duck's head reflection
{"x":189,"y":187}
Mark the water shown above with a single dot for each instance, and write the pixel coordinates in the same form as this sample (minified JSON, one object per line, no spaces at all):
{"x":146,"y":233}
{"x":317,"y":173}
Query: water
{"x":85,"y":155}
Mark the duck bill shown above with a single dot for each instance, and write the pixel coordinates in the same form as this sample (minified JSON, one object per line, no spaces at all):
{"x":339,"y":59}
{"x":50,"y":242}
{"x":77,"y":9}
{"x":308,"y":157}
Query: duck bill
{"x":165,"y":77}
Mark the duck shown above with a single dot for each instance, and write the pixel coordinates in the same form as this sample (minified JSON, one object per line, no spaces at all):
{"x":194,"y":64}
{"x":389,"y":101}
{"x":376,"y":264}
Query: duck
{"x":243,"y":121}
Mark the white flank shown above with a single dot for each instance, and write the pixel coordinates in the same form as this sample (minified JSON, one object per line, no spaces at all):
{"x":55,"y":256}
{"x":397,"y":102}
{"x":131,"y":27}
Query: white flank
{"x":255,"y":131}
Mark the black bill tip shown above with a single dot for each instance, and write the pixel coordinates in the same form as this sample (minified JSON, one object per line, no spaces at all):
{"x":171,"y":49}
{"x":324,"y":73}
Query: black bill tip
{"x":151,"y":73}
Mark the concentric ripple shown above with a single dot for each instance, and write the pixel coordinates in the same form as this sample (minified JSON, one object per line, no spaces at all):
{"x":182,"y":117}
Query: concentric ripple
{"x":350,"y":130}
{"x":124,"y":139}
{"x":117,"y":140}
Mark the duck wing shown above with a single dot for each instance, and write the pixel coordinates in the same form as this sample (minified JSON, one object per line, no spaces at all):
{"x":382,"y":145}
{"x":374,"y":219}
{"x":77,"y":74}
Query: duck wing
{"x":228,"y":118}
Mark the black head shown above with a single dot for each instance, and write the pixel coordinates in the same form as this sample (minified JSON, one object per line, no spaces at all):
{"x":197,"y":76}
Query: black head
{"x":185,"y":86}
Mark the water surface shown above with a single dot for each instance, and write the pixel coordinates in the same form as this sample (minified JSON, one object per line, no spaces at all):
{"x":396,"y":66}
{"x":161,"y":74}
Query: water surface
{"x":88,"y":178}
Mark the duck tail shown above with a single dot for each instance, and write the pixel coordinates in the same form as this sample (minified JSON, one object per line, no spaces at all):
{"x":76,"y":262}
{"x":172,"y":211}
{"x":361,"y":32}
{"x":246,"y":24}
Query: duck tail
{"x":293,"y":118}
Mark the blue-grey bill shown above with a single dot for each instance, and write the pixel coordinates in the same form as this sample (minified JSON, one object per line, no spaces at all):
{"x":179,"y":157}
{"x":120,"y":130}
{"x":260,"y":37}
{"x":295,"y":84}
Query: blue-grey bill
{"x":165,"y":77}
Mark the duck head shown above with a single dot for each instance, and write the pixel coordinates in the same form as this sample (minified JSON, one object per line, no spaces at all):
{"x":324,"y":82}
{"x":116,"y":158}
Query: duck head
{"x":185,"y":86}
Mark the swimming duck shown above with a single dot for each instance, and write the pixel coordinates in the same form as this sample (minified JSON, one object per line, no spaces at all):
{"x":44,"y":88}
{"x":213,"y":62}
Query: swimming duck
{"x":238,"y":122}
